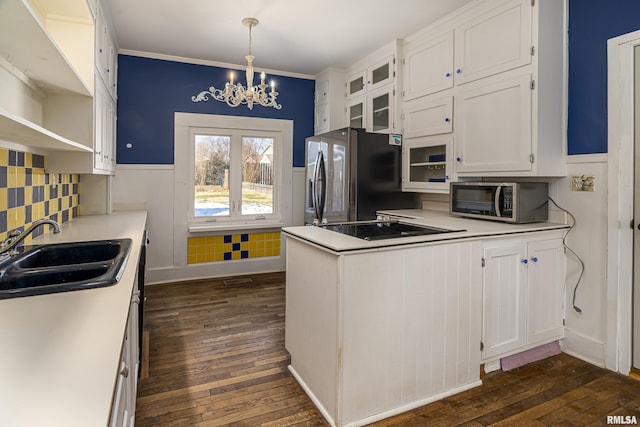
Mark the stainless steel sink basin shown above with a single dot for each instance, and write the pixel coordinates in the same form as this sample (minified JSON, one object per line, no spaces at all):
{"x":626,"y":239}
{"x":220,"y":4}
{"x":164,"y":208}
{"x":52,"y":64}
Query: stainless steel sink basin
{"x":63,"y":267}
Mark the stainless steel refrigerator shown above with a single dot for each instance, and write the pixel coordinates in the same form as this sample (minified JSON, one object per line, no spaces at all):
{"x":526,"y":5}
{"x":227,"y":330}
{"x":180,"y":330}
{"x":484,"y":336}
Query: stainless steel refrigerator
{"x":351,"y":174}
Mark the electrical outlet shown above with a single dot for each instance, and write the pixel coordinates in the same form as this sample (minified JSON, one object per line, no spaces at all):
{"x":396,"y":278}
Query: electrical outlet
{"x":583,"y":183}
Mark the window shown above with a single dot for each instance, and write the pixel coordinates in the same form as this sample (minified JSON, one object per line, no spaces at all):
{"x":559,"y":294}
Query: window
{"x":234,"y":174}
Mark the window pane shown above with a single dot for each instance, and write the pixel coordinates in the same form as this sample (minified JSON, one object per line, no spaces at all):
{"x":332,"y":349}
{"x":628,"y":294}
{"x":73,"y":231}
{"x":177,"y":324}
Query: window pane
{"x":257,"y":175}
{"x":212,"y":175}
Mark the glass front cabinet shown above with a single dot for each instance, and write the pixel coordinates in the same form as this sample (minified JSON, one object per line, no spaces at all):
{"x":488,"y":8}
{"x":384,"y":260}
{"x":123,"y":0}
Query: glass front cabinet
{"x":426,"y":163}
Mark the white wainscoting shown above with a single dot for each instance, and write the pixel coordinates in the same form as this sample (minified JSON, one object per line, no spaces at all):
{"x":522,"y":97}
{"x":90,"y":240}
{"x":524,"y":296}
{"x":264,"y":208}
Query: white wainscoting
{"x":585,"y":333}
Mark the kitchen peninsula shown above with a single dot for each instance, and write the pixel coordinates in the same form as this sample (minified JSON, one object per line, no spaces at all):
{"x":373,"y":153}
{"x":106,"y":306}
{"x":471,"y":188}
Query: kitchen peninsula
{"x":375,"y":328}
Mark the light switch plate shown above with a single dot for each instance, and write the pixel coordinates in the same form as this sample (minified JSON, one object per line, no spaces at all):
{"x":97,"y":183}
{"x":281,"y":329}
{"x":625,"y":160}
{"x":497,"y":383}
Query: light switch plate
{"x":583,"y":183}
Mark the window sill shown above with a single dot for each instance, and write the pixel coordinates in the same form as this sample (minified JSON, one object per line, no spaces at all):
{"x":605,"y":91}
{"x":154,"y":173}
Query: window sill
{"x":214,"y":226}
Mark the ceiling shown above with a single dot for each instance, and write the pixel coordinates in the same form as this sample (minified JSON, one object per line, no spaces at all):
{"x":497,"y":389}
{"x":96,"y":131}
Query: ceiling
{"x":296,"y":37}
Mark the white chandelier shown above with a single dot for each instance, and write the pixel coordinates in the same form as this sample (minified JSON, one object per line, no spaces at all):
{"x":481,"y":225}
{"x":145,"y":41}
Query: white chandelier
{"x":236,"y":94}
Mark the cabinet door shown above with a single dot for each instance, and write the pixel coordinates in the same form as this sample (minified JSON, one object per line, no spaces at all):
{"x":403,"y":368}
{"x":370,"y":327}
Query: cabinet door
{"x":426,"y":116}
{"x":428,"y":67}
{"x":493,"y":126}
{"x":356,"y":113}
{"x":546,"y":274}
{"x":381,"y":73}
{"x":322,"y":118}
{"x":494,"y":42}
{"x":322,"y":91}
{"x":426,"y":163}
{"x":357,"y":84}
{"x":504,"y":281}
{"x":99,"y":124}
{"x":380,"y":110}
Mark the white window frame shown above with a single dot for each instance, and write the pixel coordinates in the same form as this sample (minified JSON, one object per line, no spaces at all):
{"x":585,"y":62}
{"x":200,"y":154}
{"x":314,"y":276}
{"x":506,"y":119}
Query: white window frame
{"x":235,"y":175}
{"x":186,"y":125}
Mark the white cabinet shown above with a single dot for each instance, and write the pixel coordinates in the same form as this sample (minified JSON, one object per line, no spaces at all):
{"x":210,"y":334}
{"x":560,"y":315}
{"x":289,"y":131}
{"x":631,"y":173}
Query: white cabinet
{"x":105,"y":52}
{"x":329,"y":101}
{"x":371,"y":88}
{"x":371,"y":333}
{"x":493,"y":42}
{"x":425,"y":116}
{"x":381,"y":109}
{"x":123,"y":407}
{"x":493,"y":125}
{"x":426,"y":164}
{"x":428,"y":66}
{"x":523,"y":280}
{"x":503,"y":63}
{"x":54,"y":61}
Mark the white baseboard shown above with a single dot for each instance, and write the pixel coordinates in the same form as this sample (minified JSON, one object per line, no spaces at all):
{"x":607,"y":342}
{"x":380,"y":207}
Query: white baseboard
{"x":385,"y":414}
{"x":214,"y":269}
{"x":584,"y":348}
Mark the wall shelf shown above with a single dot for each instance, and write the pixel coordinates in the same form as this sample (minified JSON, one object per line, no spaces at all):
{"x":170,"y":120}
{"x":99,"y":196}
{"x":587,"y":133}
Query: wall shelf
{"x":17,"y":129}
{"x":26,"y":44}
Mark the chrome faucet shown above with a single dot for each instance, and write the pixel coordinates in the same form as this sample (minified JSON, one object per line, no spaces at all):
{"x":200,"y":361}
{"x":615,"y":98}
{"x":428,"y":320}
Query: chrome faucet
{"x":16,"y":236}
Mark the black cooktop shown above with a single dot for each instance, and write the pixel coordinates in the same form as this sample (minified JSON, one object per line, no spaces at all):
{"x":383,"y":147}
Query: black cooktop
{"x":384,"y":230}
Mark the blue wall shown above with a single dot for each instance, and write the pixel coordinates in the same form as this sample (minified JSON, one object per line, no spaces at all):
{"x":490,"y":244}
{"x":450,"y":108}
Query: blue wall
{"x":591,"y":24}
{"x":151,"y":90}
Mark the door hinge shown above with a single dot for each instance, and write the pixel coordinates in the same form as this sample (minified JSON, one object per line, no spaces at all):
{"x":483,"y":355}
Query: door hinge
{"x":532,"y":85}
{"x":482,"y":262}
{"x":533,"y":3}
{"x":631,"y":224}
{"x":532,"y":158}
{"x":481,"y":346}
{"x":532,"y":51}
{"x":564,"y":322}
{"x":403,"y":61}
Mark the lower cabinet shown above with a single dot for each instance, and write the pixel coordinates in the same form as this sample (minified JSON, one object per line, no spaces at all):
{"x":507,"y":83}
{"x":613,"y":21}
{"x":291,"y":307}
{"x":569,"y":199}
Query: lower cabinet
{"x":124,"y":398}
{"x":523,"y":282}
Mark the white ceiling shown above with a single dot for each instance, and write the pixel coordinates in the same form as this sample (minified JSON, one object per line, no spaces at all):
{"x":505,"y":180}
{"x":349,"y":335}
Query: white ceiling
{"x":299,"y":37}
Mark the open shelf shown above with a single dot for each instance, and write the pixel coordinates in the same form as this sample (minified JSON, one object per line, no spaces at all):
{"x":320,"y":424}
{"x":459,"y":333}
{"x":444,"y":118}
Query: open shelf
{"x":17,"y":129}
{"x":26,"y":44}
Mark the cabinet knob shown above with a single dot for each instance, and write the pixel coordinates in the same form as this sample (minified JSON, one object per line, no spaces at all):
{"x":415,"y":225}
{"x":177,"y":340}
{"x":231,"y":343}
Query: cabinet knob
{"x":446,"y":177}
{"x":524,"y":261}
{"x":458,"y":159}
{"x":534,"y":259}
{"x":446,"y":119}
{"x":458,"y":71}
{"x":448,"y":75}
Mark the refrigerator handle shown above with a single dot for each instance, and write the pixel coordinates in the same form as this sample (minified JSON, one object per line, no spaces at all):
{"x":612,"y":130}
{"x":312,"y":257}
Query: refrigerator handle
{"x":319,"y":187}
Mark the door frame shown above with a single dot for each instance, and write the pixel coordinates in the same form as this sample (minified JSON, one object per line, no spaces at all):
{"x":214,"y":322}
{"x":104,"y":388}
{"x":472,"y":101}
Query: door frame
{"x":619,"y":314}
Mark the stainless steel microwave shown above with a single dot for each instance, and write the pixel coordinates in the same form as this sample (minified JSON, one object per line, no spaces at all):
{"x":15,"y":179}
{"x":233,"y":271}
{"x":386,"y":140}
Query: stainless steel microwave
{"x":517,"y":202}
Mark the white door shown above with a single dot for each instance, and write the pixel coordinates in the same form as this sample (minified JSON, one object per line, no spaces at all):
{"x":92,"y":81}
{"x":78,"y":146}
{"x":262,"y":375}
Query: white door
{"x":493,"y":126}
{"x":503,"y":299}
{"x":546,"y":275}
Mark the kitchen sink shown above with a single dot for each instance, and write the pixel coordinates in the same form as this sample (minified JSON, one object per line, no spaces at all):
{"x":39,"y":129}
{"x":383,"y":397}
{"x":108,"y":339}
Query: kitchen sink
{"x":61,"y":267}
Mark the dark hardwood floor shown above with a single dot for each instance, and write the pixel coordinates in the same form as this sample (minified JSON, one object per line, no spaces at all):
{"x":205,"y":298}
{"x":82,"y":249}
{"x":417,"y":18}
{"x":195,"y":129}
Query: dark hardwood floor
{"x":216,"y":357}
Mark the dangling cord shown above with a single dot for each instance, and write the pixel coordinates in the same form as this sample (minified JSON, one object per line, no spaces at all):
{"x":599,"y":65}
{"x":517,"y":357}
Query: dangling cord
{"x":564,"y":243}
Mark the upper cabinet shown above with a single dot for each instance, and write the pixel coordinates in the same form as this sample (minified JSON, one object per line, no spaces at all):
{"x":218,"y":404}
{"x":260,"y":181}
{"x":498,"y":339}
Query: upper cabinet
{"x":371,"y":90}
{"x":48,"y":50}
{"x":501,"y":65}
{"x":428,"y":66}
{"x":493,"y":42}
{"x":329,"y":101}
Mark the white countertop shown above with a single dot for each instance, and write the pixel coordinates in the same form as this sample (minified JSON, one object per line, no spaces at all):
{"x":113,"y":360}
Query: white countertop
{"x":60,"y":353}
{"x":473,"y":228}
